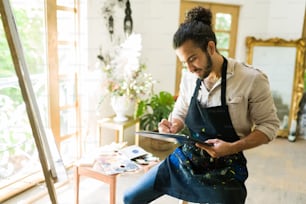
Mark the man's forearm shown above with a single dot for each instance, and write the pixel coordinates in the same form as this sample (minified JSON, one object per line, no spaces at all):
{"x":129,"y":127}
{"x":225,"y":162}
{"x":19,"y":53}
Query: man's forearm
{"x":254,"y":139}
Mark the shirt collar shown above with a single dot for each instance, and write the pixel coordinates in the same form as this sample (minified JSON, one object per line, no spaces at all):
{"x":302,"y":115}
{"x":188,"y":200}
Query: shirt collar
{"x":231,"y":66}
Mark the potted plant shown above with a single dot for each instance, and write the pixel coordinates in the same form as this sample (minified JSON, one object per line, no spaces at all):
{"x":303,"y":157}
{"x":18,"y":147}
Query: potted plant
{"x":151,"y":111}
{"x":124,"y":78}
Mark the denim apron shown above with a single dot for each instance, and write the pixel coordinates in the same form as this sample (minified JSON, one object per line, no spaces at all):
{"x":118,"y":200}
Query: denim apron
{"x":190,"y":173}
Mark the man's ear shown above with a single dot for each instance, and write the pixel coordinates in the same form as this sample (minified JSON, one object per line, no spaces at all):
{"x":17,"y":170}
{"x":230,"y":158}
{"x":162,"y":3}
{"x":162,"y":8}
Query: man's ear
{"x":211,"y":47}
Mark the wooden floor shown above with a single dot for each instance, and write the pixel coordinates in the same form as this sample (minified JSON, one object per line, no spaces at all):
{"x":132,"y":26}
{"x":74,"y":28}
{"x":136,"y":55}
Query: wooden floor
{"x":277,"y":175}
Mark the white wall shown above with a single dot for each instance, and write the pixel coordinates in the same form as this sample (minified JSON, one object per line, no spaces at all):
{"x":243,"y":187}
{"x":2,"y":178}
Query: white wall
{"x":157,"y":20}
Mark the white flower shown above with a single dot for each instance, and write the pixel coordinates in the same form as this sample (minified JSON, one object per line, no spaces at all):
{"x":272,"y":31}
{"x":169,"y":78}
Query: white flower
{"x":132,"y":44}
{"x":124,"y":75}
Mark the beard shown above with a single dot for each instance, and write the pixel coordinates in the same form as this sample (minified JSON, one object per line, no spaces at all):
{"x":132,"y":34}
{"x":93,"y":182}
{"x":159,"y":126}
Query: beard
{"x":208,"y":67}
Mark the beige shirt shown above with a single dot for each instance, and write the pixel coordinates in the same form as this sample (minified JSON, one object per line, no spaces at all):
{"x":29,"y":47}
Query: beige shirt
{"x":248,"y":97}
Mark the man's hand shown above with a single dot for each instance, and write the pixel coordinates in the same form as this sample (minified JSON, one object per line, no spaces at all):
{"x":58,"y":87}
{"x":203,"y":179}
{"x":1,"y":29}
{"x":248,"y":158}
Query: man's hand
{"x":218,"y":148}
{"x":221,"y":148}
{"x":165,"y":126}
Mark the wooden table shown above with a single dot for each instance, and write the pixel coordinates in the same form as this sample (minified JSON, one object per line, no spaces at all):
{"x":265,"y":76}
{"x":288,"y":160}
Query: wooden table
{"x":89,"y":171}
{"x":119,"y":127}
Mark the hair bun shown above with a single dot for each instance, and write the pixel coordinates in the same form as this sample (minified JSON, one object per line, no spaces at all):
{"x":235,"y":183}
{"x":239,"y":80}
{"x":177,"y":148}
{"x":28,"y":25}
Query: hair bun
{"x":199,"y":14}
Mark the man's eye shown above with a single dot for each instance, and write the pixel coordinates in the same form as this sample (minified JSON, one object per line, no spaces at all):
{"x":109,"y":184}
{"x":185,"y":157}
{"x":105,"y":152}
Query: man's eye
{"x":192,"y":59}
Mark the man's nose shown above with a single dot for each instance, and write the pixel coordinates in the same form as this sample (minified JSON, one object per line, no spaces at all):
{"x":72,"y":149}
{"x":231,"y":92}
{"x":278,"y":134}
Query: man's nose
{"x":189,"y":66}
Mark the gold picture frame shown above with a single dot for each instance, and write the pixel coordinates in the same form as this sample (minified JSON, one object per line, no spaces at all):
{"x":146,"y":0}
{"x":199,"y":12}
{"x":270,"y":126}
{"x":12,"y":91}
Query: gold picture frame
{"x":283,"y":62}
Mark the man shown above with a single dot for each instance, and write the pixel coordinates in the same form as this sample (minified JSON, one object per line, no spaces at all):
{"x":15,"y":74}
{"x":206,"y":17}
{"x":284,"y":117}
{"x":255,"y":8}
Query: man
{"x":224,"y":103}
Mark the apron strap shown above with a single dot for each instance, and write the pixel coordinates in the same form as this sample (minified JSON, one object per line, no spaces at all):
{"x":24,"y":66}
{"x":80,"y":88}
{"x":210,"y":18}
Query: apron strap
{"x":223,"y":82}
{"x":197,"y":88}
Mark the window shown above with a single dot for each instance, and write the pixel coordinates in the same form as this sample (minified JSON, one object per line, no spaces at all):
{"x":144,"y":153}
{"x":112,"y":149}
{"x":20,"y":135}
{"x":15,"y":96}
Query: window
{"x":225,"y":22}
{"x":53,"y":67}
{"x":19,"y":161}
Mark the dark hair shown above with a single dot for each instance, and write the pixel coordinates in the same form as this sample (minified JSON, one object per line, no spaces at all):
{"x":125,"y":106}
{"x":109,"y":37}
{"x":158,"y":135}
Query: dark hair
{"x":196,"y":27}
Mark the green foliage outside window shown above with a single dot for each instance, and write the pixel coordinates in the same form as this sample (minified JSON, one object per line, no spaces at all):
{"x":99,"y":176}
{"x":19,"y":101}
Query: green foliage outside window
{"x":16,"y":142}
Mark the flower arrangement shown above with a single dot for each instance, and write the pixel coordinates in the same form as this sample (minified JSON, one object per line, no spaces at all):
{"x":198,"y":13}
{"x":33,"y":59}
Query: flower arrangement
{"x":123,"y":74}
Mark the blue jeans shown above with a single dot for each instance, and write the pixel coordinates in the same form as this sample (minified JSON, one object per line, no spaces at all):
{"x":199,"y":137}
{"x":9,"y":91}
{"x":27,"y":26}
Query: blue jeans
{"x":143,"y":191}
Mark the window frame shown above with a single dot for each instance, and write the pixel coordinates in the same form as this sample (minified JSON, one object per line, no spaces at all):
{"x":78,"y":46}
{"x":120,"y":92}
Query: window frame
{"x":56,"y":77}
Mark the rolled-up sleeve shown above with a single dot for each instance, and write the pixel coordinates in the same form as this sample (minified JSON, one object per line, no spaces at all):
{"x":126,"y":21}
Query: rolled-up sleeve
{"x":250,"y":102}
{"x":262,"y":108}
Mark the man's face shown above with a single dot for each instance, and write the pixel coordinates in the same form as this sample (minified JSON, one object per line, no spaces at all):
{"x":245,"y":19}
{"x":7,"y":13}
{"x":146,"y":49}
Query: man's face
{"x":194,"y":59}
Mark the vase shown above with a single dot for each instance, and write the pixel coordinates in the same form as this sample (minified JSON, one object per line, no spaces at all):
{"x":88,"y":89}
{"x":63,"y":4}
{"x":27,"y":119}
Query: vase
{"x":121,"y":106}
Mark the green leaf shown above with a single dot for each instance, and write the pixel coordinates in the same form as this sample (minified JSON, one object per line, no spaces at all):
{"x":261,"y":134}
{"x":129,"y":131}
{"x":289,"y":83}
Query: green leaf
{"x":154,"y":109}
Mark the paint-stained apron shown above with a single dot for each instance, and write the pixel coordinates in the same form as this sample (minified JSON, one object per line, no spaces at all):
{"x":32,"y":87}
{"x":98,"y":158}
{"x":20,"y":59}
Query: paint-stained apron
{"x":190,"y":173}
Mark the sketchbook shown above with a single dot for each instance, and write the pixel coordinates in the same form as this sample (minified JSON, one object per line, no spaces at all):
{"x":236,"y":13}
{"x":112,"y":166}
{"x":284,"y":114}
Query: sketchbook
{"x":133,"y":151}
{"x":170,"y":137}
